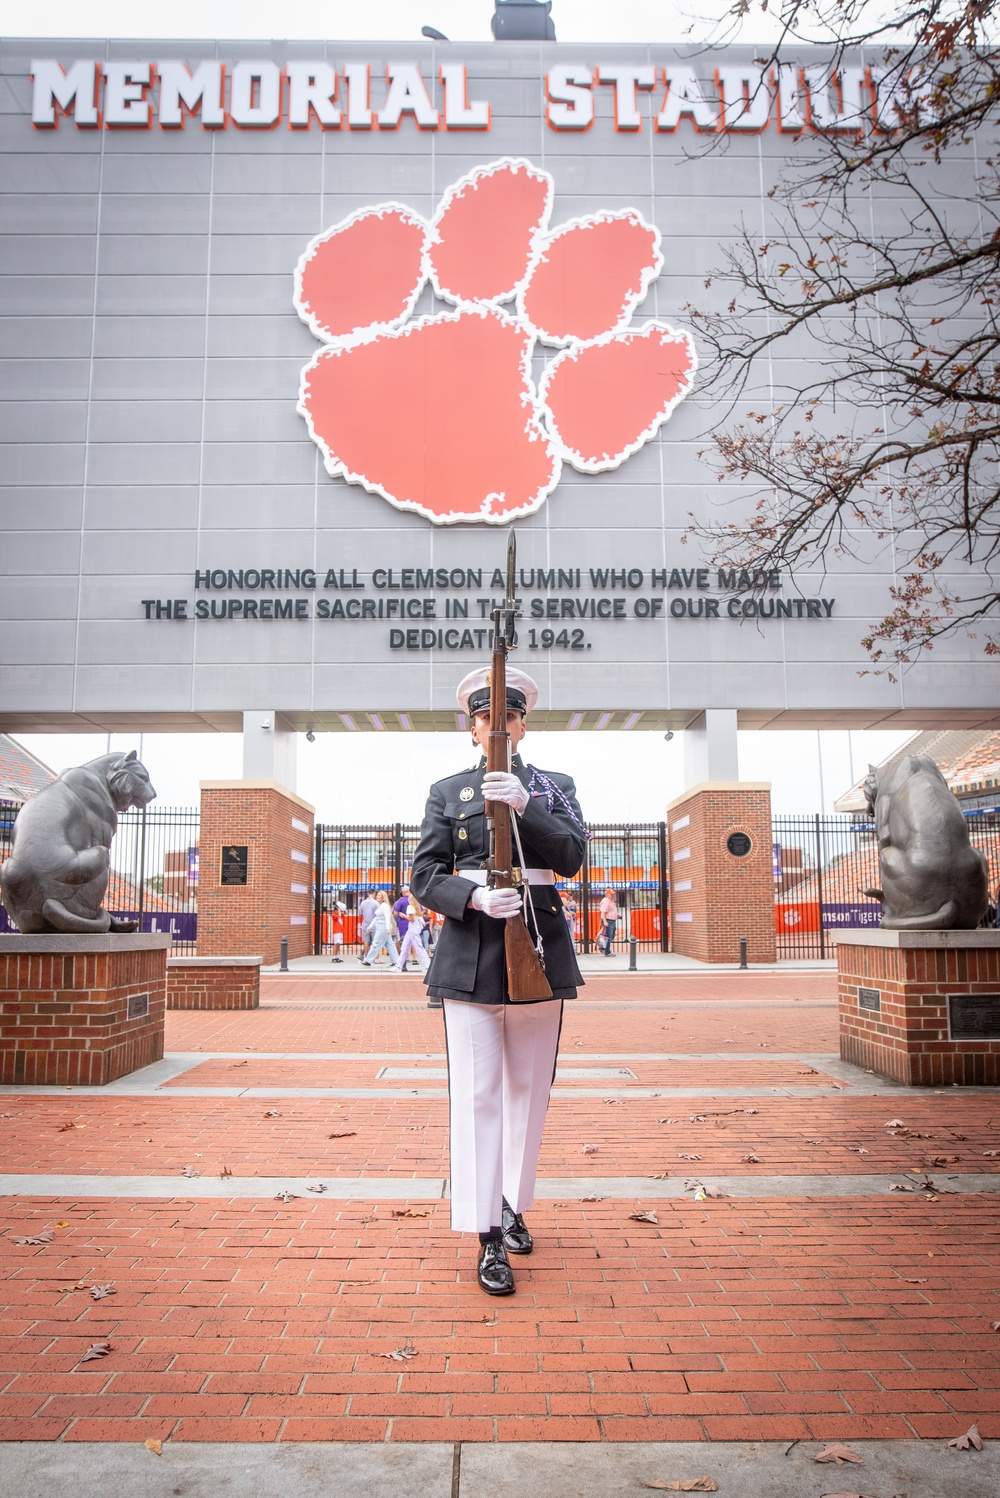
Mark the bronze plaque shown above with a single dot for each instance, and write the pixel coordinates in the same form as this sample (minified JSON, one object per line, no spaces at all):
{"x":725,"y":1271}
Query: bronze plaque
{"x":870,"y":998}
{"x":138,"y":1005}
{"x":739,"y":844}
{"x":974,"y":1016}
{"x":235,"y":864}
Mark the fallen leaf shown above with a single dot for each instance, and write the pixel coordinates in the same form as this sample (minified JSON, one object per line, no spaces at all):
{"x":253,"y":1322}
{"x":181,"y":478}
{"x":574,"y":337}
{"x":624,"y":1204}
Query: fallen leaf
{"x":995,"y":1326}
{"x":714,"y":1191}
{"x":65,"y":1289}
{"x":224,"y":1173}
{"x":688,"y":1157}
{"x":99,"y":1350}
{"x":45,"y":1236}
{"x":751,"y":1110}
{"x":347,"y":1134}
{"x":814,"y":1141}
{"x":686,"y":1485}
{"x":698,"y":1117}
{"x":63,"y":1127}
{"x":807,"y":1071}
{"x":600,"y":1198}
{"x":991,"y":1154}
{"x":900,"y":1186}
{"x":399,"y":1354}
{"x":154,"y":1445}
{"x":320,"y":1186}
{"x":942,"y":1160}
{"x":669,"y":1120}
{"x":663,"y":1175}
{"x":271,"y":1113}
{"x":644,"y":1217}
{"x":238,"y":1063}
{"x":971,"y":1438}
{"x":588,"y":1149}
{"x":98,"y":1292}
{"x":612,"y":1100}
{"x":750,"y":1159}
{"x":285,"y":1196}
{"x":857,"y":1149}
{"x":895,"y":1123}
{"x":407,"y":1212}
{"x":839,"y":1454}
{"x":189,"y":1171}
{"x":919,"y":1282}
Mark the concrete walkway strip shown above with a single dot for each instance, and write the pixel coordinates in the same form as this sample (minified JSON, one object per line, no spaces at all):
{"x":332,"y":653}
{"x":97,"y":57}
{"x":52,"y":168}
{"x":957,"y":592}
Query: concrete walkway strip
{"x":916,"y":1469}
{"x":434,"y":1188}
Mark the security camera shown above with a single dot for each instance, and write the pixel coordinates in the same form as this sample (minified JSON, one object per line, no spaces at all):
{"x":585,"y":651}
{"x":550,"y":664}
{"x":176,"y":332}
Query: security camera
{"x":669,"y":735}
{"x":310,"y":736}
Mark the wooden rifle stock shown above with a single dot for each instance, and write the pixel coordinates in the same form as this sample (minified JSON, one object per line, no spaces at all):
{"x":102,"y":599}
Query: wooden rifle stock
{"x":526,"y":978}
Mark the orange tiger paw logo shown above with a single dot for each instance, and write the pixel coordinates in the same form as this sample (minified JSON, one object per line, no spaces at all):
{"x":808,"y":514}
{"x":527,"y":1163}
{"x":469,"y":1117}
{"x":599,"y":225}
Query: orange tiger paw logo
{"x":443,"y":412}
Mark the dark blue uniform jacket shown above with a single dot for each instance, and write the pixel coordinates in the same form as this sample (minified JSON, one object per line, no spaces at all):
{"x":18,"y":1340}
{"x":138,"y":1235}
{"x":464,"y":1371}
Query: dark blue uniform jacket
{"x":468,"y":961}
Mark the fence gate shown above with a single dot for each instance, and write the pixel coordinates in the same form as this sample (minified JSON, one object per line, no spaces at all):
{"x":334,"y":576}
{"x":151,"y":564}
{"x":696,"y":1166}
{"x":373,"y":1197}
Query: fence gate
{"x":822,"y":867}
{"x":631,"y":859}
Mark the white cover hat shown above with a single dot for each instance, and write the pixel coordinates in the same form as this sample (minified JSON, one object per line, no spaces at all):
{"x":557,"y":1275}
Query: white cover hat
{"x":473,"y":691}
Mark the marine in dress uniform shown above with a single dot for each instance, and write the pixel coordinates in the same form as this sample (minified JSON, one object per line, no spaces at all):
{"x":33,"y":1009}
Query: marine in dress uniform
{"x":501,"y":1054}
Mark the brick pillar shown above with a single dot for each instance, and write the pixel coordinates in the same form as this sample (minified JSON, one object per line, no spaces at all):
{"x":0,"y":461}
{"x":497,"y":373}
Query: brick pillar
{"x":276,"y":828}
{"x":718,"y":895}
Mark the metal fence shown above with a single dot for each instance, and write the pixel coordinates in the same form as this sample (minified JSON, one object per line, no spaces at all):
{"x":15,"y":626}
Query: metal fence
{"x":824,"y":864}
{"x":154,"y":870}
{"x":630,"y":858}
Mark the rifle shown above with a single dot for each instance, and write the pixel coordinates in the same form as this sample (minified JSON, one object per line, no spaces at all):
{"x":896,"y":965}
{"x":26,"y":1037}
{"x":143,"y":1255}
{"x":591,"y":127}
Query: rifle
{"x":525,"y":973}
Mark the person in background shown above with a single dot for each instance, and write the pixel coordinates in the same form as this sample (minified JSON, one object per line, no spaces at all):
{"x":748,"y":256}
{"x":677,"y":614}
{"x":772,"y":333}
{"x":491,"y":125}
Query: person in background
{"x":609,"y":922}
{"x":411,"y":941}
{"x":399,"y":909}
{"x":337,"y":925}
{"x":569,"y":910}
{"x":366,"y":911}
{"x":382,"y":930}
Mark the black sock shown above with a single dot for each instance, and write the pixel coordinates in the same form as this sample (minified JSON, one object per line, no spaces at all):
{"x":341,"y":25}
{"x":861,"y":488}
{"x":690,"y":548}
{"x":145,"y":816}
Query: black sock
{"x":493,"y":1236}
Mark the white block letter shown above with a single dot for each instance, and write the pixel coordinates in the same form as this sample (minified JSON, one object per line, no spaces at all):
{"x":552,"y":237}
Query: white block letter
{"x":255,"y":95}
{"x":358,"y":77}
{"x":685,"y":96}
{"x":746,"y":98}
{"x":75,"y":90}
{"x":792,"y":98}
{"x":200,"y":89}
{"x":626,"y":81}
{"x":835,"y":99}
{"x":312,"y":86}
{"x":571,"y":103}
{"x":125,"y":101}
{"x":407,"y":95}
{"x":459,"y":114}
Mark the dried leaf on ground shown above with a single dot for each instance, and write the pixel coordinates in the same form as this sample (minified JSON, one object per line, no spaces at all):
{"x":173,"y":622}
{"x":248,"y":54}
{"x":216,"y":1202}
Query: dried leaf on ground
{"x":153,"y":1444}
{"x":895,"y":1123}
{"x":839,"y":1454}
{"x":224,"y":1173}
{"x":319,"y":1187}
{"x":751,"y":1110}
{"x":688,"y":1157}
{"x":82,"y":1285}
{"x":662,"y":1175}
{"x":271,"y":1113}
{"x":669,"y":1120}
{"x":686,"y":1485}
{"x":857,"y":1149}
{"x":971,"y":1438}
{"x":346,"y":1134}
{"x":407,"y":1212}
{"x":698,"y":1117}
{"x":98,"y":1350}
{"x":98,"y":1292}
{"x":399,"y":1354}
{"x":714,"y":1191}
{"x":990,"y":1154}
{"x":612,"y":1101}
{"x":45,"y":1236}
{"x":588,"y":1149}
{"x":63,"y":1127}
{"x":995,"y":1326}
{"x":807,"y":1071}
{"x":942,"y":1160}
{"x":238,"y":1063}
{"x":900,"y":1186}
{"x":916,"y":1281}
{"x":814,"y":1141}
{"x":644,"y":1217}
{"x":189,"y":1171}
{"x":692,"y":1185}
{"x":596,"y":1198}
{"x":62,"y":1224}
{"x":750,"y":1159}
{"x":285,"y":1196}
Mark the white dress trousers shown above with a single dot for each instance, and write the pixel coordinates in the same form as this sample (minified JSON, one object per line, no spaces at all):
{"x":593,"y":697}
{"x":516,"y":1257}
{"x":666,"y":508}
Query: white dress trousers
{"x":501,"y":1060}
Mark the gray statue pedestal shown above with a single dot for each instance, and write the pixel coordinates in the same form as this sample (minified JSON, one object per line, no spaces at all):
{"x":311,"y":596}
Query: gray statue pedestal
{"x":80,"y":1011}
{"x":921,"y":1007}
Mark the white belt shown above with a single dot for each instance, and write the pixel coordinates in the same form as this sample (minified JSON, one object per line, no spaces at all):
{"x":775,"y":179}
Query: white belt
{"x":530,"y":876}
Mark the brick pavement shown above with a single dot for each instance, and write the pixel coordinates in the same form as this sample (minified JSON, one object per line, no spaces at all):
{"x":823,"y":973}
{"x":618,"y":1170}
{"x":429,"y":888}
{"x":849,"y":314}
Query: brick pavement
{"x":753,"y":1319}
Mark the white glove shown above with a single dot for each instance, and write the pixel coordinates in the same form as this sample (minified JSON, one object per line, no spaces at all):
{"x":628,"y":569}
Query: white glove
{"x":501,"y":904}
{"x":500,"y":785}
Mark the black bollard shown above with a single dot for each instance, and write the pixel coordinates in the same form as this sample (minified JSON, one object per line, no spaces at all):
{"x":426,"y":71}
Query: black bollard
{"x":632,"y":949}
{"x":284,"y":955}
{"x":743,"y":954}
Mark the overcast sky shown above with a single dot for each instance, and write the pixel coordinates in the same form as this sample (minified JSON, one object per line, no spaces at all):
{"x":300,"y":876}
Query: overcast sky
{"x":621,"y":777}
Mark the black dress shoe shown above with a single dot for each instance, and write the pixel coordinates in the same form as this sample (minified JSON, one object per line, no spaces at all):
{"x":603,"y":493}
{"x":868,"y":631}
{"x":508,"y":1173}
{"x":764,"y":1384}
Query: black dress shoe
{"x":516,"y":1238}
{"x":494,"y":1272}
